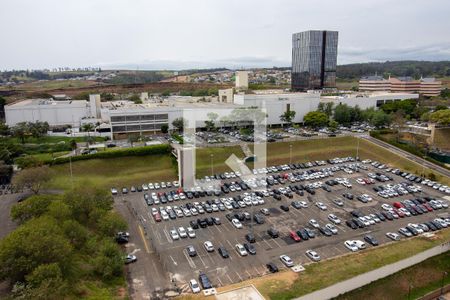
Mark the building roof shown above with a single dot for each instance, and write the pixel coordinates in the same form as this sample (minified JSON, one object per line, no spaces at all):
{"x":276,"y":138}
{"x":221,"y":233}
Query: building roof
{"x":47,"y":102}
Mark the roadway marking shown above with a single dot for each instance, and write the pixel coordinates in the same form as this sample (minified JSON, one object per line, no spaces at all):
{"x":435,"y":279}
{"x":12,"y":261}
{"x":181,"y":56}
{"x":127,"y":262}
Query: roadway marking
{"x":228,"y":275}
{"x":173,"y":260}
{"x":276,"y":243}
{"x":239,"y":276}
{"x":203,"y":262}
{"x":166,"y":233}
{"x":141,"y":231}
{"x":220,"y":281}
{"x":189,"y":259}
{"x":249,"y":275}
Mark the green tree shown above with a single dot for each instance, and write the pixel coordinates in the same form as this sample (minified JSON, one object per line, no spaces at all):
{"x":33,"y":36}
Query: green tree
{"x":333,"y":125}
{"x":342,"y":114}
{"x":110,"y":223}
{"x":4,"y":129}
{"x":37,"y":242}
{"x":441,"y":117}
{"x":73,"y":144}
{"x":32,"y":178}
{"x":287,"y":117}
{"x":21,"y":131}
{"x":164,"y":128}
{"x":380,"y":119}
{"x":211,"y":123}
{"x":135,"y":98}
{"x":315,"y":119}
{"x":46,"y":282}
{"x":179,"y":123}
{"x":35,"y":206}
{"x":109,"y":262}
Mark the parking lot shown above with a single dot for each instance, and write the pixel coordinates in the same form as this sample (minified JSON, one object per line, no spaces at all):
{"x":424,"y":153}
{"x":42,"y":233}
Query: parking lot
{"x":180,"y":267}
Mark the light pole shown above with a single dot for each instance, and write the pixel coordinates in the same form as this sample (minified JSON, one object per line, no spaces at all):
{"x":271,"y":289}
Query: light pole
{"x":290,"y":153}
{"x":357,"y":148}
{"x":409,"y":290}
{"x":212,"y":164}
{"x":71,"y":172}
{"x":442,"y":282}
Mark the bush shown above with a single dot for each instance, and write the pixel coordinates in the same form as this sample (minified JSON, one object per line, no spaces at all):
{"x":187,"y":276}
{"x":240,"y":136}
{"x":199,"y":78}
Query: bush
{"x":138,"y":151}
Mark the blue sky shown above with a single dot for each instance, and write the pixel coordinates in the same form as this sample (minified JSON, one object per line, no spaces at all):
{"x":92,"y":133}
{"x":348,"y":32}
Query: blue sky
{"x":179,"y":34}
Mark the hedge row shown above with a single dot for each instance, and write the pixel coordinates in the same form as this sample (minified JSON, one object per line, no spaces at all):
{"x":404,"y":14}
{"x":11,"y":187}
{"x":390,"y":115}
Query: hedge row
{"x":138,"y":151}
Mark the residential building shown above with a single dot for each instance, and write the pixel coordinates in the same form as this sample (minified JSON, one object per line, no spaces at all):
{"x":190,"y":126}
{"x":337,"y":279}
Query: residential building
{"x":314,"y":58}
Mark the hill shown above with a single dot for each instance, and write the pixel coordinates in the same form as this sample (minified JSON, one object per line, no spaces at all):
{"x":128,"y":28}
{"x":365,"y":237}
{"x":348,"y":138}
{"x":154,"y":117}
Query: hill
{"x":415,"y":69}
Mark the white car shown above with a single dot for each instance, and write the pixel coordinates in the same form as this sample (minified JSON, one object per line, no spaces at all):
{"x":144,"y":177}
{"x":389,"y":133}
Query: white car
{"x":350,"y":245}
{"x":194,"y":286}
{"x":236,"y":223}
{"x":241,"y":250}
{"x":386,"y":207}
{"x":393,"y":236}
{"x":321,"y":206}
{"x":286,"y":260}
{"x":174,"y":235}
{"x":208,"y":246}
{"x":314,"y":223}
{"x":334,"y":219}
{"x":332,"y":228}
{"x":304,"y":204}
{"x":190,"y":232}
{"x":360,"y":244}
{"x":182,"y":232}
{"x":313,"y":255}
{"x":360,"y":181}
{"x":114,"y":191}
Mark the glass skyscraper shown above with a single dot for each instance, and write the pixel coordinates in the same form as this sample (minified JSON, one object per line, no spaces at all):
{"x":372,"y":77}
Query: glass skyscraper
{"x":314,"y":58}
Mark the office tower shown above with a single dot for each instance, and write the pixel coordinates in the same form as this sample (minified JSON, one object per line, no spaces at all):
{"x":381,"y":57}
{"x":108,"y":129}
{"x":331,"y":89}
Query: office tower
{"x":314,"y":57}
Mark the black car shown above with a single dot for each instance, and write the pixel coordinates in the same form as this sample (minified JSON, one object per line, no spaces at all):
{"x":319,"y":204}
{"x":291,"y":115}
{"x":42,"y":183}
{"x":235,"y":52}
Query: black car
{"x":272,"y":267}
{"x":204,"y":281}
{"x":193,"y":224}
{"x":371,"y":240}
{"x":250,"y":248}
{"x":121,"y":239}
{"x":326,"y":188}
{"x":273,"y":232}
{"x":223,"y":252}
{"x":299,"y":192}
{"x":380,"y":216}
{"x":351,"y":224}
{"x":348,"y":196}
{"x":277,"y":197}
{"x":202,"y":223}
{"x":229,"y":217}
{"x":209,"y":221}
{"x":191,"y":251}
{"x":358,"y":222}
{"x":259,"y":219}
{"x":250,"y":237}
{"x":284,"y":207}
{"x":303,"y":234}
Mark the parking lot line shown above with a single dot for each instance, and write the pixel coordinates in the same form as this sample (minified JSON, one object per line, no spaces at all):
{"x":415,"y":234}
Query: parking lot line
{"x":189,"y":259}
{"x":166,"y":233}
{"x":231,"y":280}
{"x":239,"y":275}
{"x":203,"y":262}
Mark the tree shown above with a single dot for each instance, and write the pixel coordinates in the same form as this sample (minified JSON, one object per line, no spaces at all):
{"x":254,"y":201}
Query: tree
{"x":37,"y":242}
{"x":4,"y":129}
{"x":380,"y":119}
{"x":333,"y":125}
{"x":32,"y":178}
{"x":342,"y":114}
{"x":179,"y":123}
{"x":73,"y":144}
{"x":35,"y":206}
{"x":164,"y":128}
{"x":287,"y":117}
{"x":210,"y":124}
{"x":109,"y":262}
{"x":38,"y":129}
{"x":111,"y":222}
{"x":315,"y":119}
{"x":21,"y":131}
{"x":441,"y":117}
{"x":135,"y":98}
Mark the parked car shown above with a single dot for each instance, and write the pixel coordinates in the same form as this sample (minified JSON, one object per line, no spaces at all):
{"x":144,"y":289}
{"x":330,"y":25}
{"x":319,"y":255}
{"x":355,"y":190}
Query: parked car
{"x":286,"y":260}
{"x":313,"y":255}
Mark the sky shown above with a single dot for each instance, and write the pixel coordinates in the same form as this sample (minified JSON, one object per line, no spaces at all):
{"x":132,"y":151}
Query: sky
{"x":181,"y":34}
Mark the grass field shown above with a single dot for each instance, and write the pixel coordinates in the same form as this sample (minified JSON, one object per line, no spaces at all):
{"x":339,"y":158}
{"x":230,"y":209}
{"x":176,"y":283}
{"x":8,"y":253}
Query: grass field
{"x":51,"y":139}
{"x":423,"y":278}
{"x":220,"y":155}
{"x":124,"y":171}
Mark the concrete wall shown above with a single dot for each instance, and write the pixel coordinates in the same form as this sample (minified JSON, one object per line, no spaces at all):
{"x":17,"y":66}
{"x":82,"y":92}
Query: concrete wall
{"x":57,"y":114}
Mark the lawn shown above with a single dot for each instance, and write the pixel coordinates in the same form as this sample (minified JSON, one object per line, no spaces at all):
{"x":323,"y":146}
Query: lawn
{"x":423,"y":278}
{"x":51,"y":139}
{"x":220,"y":155}
{"x":118,"y":172}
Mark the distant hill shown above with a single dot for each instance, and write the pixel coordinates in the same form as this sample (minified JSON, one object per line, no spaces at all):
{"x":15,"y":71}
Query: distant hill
{"x":395,"y":68}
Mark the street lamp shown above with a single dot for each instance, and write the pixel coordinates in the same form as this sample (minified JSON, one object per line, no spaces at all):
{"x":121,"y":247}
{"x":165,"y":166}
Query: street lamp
{"x":212,"y":164}
{"x":290,"y":153}
{"x":444,"y":274}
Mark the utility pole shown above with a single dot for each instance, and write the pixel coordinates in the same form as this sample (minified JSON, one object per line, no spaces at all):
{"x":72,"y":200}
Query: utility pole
{"x":290,"y":153}
{"x":71,"y":172}
{"x":442,"y":282}
{"x":212,"y":164}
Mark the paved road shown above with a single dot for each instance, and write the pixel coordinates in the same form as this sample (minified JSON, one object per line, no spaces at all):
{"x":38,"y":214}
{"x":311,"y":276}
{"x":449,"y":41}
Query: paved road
{"x":409,"y":156}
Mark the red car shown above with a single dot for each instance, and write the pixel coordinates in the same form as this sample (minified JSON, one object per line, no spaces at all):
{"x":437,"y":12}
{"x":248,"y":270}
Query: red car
{"x":294,"y":236}
{"x":399,"y":213}
{"x":398,"y":205}
{"x":367,"y":181}
{"x":427,"y":206}
{"x":157,"y":217}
